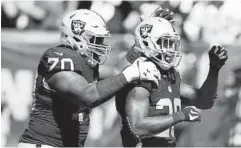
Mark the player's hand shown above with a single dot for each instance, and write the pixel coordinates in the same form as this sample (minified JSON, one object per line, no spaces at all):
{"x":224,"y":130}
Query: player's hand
{"x":142,"y":70}
{"x":162,"y":13}
{"x":191,"y":114}
{"x":218,"y":55}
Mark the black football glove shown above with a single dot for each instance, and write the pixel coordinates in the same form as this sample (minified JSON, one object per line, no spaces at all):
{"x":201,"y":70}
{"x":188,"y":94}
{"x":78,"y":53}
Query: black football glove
{"x":162,"y":13}
{"x":218,"y":55}
{"x":191,"y":113}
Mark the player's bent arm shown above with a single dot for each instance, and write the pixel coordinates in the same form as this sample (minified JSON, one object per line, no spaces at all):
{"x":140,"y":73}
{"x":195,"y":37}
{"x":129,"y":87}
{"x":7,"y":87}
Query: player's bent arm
{"x":137,"y":109}
{"x":76,"y":89}
{"x":218,"y":55}
{"x":207,"y":94}
{"x":69,"y":83}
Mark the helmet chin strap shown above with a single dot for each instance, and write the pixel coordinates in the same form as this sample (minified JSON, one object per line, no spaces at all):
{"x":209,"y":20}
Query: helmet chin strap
{"x":164,"y":66}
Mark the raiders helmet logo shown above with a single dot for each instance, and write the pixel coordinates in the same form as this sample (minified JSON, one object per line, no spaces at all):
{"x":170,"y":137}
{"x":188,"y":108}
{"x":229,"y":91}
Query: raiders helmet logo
{"x":77,"y":26}
{"x":145,"y":30}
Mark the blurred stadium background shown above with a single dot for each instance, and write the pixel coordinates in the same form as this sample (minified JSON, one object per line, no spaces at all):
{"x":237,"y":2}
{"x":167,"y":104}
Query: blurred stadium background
{"x":30,"y":27}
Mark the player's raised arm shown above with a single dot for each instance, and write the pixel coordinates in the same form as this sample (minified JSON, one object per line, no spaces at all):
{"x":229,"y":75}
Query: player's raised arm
{"x":207,"y":94}
{"x":137,"y":109}
{"x":76,"y":89}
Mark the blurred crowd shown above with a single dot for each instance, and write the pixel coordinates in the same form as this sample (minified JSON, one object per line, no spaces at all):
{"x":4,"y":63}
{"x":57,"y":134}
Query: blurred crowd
{"x":210,"y":21}
{"x":229,"y":127}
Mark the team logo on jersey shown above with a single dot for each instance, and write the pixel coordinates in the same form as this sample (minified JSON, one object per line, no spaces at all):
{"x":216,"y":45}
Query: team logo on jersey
{"x":145,"y":30}
{"x":77,"y":26}
{"x":170,"y":89}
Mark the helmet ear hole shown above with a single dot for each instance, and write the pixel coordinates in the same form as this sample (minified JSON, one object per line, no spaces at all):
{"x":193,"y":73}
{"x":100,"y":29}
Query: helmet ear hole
{"x":159,"y":41}
{"x":145,"y":43}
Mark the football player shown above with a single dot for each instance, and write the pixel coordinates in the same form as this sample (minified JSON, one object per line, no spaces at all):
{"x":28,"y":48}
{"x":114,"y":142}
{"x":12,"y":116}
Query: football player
{"x":67,"y":86}
{"x":149,"y":114}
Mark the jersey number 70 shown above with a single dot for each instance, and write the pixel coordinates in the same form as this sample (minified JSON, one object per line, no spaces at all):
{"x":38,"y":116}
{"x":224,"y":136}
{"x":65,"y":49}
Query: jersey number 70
{"x":63,"y":62}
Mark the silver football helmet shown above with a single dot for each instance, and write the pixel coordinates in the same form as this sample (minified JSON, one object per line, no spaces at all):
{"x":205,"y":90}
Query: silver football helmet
{"x":157,"y":39}
{"x":85,"y":30}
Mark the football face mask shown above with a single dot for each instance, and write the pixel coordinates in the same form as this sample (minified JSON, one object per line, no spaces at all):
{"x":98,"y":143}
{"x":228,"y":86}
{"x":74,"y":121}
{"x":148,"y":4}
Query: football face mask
{"x":167,"y":52}
{"x":94,"y":47}
{"x":156,"y":39}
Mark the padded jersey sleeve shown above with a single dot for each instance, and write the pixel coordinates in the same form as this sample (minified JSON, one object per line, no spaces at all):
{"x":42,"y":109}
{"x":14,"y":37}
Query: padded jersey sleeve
{"x":60,"y":59}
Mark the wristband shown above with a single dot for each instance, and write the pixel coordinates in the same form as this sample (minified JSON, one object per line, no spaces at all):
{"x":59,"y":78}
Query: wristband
{"x":178,"y":116}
